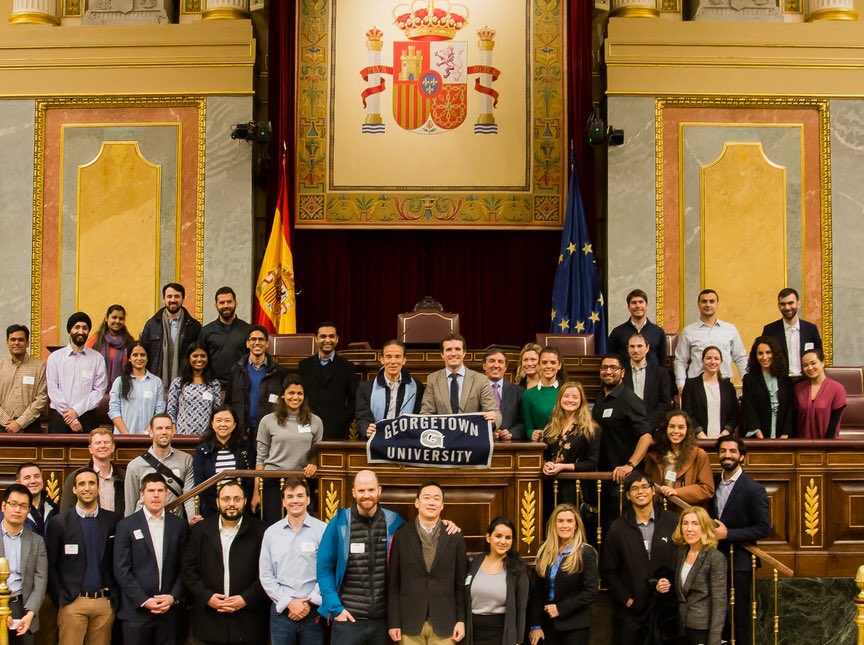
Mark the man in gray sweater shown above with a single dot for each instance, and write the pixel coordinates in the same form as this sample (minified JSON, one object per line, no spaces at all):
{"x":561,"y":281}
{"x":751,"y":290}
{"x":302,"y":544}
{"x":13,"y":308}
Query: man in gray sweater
{"x":174,"y":465}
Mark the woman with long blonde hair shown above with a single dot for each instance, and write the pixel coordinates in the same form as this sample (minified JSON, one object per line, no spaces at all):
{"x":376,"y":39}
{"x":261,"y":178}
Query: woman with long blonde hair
{"x":559,"y":610}
{"x":572,"y":441}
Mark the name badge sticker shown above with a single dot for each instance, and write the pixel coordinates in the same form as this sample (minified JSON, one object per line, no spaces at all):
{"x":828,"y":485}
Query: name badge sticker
{"x":207,"y":396}
{"x":87,"y":373}
{"x":670,"y":475}
{"x":147,"y":394}
{"x":304,"y":429}
{"x":808,"y":346}
{"x":70,"y":549}
{"x":29,"y":380}
{"x":358,"y":547}
{"x":273,"y":398}
{"x":138,"y":534}
{"x":607,"y":413}
{"x":468,"y":580}
{"x":308,"y":547}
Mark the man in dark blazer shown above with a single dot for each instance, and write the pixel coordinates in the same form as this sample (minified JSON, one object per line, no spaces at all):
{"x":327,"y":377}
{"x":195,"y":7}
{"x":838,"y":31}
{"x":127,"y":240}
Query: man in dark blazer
{"x":330,"y":383}
{"x":28,"y":574}
{"x":426,"y":577}
{"x":375,"y":400}
{"x":81,"y":583}
{"x":237,"y":614}
{"x":628,"y":560}
{"x":149,"y":578}
{"x":42,"y":508}
{"x":507,"y":395}
{"x":652,"y":379}
{"x":795,"y":336}
{"x":638,"y":323}
{"x":457,"y":389}
{"x":740,"y":509}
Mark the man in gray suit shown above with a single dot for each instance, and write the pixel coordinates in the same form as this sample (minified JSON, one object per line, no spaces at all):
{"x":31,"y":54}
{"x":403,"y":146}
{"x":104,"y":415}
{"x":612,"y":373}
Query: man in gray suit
{"x":507,"y":395}
{"x":28,"y":565}
{"x":457,"y":389}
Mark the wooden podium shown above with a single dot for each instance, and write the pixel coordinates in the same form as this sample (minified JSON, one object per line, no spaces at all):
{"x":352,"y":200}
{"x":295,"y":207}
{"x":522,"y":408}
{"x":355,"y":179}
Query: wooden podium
{"x":472,"y":496}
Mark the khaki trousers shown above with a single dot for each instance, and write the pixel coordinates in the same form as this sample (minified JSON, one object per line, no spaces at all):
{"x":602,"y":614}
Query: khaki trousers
{"x":86,"y":618}
{"x":426,"y":637}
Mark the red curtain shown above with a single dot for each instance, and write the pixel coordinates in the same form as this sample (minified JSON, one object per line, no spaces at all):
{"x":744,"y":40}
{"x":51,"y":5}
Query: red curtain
{"x":500,"y":282}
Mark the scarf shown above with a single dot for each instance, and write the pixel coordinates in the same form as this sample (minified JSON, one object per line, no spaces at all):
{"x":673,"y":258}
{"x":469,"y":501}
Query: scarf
{"x":429,"y":542}
{"x":113,"y":350}
{"x":380,"y":389}
{"x":171,"y":354}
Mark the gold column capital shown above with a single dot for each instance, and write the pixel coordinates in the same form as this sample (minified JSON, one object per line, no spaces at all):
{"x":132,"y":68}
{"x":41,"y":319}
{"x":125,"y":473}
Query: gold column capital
{"x":832,"y":13}
{"x":225,"y":13}
{"x":33,"y":18}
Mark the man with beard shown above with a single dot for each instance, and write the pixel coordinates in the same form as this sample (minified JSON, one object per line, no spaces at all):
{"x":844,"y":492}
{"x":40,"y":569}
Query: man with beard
{"x":625,"y":435}
{"x":76,"y":380}
{"x":229,"y":605}
{"x":168,"y":334}
{"x":794,"y":335}
{"x":225,"y":337}
{"x":392,"y":393}
{"x":740,"y":507}
{"x":352,"y":566}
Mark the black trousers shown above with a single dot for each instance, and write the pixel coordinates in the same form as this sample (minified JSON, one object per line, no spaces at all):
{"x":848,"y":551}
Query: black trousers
{"x":743,"y":611}
{"x":57,"y":425}
{"x":159,"y":630}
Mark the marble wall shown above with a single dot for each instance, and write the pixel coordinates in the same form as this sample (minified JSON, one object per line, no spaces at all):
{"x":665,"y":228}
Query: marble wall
{"x":632,"y":207}
{"x":228,"y":206}
{"x":226,"y":256}
{"x":632,"y":213}
{"x":811,"y":610}
{"x":847,"y":205}
{"x":17,"y":120}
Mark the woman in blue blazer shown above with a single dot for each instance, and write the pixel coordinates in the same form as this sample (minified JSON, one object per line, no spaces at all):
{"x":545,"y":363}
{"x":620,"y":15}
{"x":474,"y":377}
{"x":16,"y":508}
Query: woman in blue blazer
{"x":559,"y":610}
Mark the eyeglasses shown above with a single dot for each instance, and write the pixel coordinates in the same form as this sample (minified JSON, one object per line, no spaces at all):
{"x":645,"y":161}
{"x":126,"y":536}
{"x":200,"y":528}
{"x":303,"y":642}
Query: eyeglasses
{"x":257,"y":340}
{"x":636,"y":488}
{"x":609,"y":368}
{"x":17,"y":507}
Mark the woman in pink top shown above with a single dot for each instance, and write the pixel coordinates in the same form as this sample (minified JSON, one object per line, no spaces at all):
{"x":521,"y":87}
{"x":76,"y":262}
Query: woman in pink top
{"x":820,"y":400}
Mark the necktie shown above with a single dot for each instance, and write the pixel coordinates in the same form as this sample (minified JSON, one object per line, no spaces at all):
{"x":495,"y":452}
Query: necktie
{"x":454,"y":393}
{"x":495,"y":391}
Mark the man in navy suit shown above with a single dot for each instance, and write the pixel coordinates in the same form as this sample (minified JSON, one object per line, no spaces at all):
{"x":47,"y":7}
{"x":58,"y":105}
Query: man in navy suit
{"x":649,"y":381}
{"x":795,"y":336}
{"x":147,"y":561}
{"x":740,"y":507}
{"x":507,"y":395}
{"x":80,"y":545}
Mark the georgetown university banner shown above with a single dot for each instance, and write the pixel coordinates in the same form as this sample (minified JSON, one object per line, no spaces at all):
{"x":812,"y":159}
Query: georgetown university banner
{"x":446,"y":441}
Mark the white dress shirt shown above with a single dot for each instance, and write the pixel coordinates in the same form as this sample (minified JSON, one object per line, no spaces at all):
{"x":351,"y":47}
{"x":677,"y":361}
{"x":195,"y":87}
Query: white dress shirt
{"x":793,"y":345}
{"x":695,"y":337}
{"x":227,"y":535}
{"x":156,"y":525}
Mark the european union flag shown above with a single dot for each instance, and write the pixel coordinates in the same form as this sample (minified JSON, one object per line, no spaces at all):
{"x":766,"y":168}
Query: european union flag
{"x":577,"y":300}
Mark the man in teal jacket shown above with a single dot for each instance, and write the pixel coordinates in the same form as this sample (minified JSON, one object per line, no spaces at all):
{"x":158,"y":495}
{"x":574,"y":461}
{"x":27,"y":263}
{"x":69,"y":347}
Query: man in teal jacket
{"x":352,"y":566}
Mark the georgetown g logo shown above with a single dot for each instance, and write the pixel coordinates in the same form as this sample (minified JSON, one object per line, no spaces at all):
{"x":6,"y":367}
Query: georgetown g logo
{"x":432,"y":439}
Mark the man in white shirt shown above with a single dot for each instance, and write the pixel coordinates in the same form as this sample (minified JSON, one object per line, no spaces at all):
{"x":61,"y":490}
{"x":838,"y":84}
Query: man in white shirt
{"x":708,"y":330}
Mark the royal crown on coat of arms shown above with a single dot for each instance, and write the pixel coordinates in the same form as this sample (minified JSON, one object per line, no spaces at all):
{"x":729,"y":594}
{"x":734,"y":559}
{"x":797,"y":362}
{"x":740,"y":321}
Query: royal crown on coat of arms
{"x":430,"y":71}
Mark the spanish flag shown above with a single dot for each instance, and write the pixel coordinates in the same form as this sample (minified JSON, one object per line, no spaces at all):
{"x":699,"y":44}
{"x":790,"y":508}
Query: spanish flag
{"x":274,"y":290}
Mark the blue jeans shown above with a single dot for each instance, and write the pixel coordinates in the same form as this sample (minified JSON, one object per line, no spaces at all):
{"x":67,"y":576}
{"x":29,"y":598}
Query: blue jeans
{"x":284,"y":631}
{"x":362,"y":632}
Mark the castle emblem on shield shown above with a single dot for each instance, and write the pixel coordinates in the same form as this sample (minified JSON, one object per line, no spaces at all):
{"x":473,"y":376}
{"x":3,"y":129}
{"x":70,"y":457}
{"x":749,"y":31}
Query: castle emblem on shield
{"x":430,"y":72}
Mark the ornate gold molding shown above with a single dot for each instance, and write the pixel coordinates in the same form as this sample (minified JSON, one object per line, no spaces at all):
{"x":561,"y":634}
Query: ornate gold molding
{"x":224,"y":13}
{"x":832,"y":14}
{"x":811,"y":511}
{"x":822,"y":107}
{"x":108,"y":102}
{"x":635,"y":12}
{"x":331,"y":502}
{"x":528,"y":515}
{"x":52,"y":487}
{"x":33,"y":18}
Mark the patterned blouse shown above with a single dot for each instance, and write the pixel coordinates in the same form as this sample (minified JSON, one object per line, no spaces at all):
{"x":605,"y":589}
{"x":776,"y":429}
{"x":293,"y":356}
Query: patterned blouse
{"x":191,"y":406}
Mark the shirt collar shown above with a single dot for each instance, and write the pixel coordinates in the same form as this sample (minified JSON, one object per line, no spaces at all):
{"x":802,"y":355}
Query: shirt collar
{"x":540,"y":385}
{"x":615,"y":391}
{"x":460,"y":371}
{"x":641,"y":366}
{"x":150,"y":516}
{"x":733,"y":478}
{"x":11,"y":535}
{"x":651,"y":518}
{"x":82,"y":513}
{"x":170,"y":452}
{"x":71,"y":351}
{"x":223,"y":529}
{"x":15,"y":361}
{"x":305,"y":522}
{"x":796,"y":326}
